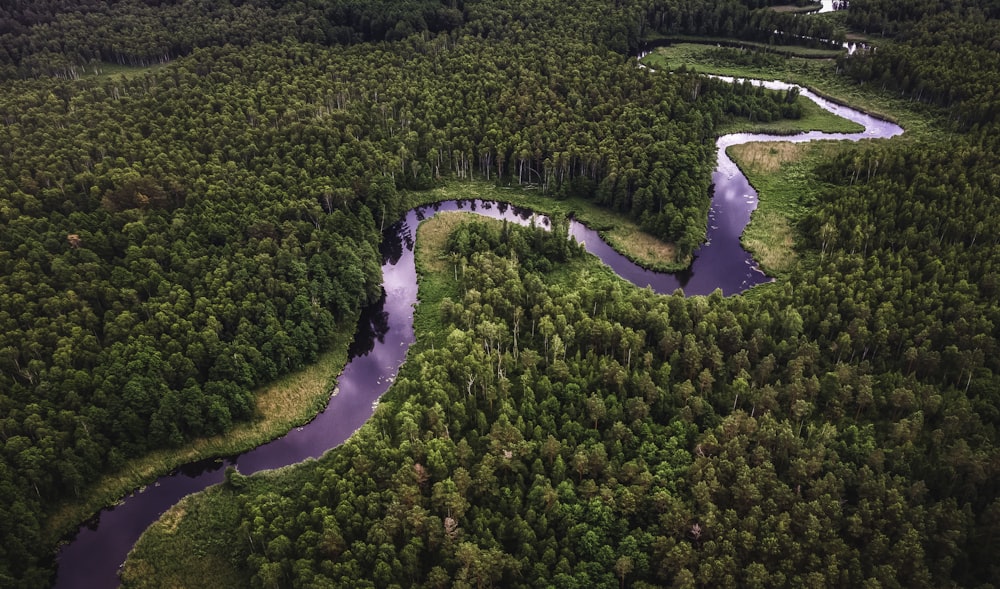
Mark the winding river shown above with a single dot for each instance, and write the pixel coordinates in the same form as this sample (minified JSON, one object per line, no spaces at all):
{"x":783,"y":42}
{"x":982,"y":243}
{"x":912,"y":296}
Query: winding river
{"x":92,"y":558}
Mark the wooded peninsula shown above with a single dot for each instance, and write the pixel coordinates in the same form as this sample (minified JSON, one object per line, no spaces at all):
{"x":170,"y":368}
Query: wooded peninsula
{"x":192,"y":201}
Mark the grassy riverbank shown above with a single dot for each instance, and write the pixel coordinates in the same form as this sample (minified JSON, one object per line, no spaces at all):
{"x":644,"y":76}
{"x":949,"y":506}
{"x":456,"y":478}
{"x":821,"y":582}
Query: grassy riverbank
{"x":191,"y":545}
{"x":785,"y":50}
{"x":782,"y":173}
{"x":434,"y":275}
{"x":919,"y":120}
{"x":814,"y":118}
{"x":621,"y":233}
{"x":283,"y":404}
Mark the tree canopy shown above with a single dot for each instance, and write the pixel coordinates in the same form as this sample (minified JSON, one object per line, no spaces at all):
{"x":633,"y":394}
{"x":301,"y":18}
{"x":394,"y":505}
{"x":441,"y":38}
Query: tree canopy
{"x":174,"y":236}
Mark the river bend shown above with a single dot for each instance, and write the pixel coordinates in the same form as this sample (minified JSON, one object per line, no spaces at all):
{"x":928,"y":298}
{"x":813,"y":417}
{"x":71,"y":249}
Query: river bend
{"x":92,"y":558}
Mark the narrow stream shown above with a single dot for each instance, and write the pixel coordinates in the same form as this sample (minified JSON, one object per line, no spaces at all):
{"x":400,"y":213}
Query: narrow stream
{"x":91,"y":559}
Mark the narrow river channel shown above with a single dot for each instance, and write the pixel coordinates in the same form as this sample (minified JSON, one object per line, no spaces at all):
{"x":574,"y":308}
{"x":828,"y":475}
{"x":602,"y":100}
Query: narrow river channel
{"x":91,"y":559}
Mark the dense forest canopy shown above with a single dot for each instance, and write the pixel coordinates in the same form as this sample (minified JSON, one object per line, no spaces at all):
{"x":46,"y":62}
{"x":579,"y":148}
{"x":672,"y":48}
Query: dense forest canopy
{"x":55,"y":37}
{"x":946,"y":54}
{"x":174,"y":237}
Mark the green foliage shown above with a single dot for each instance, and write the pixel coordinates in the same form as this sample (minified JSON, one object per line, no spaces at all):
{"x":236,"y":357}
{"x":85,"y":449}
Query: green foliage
{"x":172,"y":239}
{"x":57,"y":38}
{"x":189,"y":531}
{"x":535,"y":249}
{"x":586,"y":432}
{"x":929,"y":40}
{"x":751,"y":20}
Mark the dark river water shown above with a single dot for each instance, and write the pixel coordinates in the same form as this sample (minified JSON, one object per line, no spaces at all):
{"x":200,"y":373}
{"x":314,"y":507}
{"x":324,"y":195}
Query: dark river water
{"x":91,"y":559}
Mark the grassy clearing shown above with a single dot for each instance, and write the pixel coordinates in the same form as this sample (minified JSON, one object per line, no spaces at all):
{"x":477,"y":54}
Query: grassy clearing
{"x":435,"y":275}
{"x":191,"y":545}
{"x":782,"y":174}
{"x":433,"y":235}
{"x":281,"y":405}
{"x":623,"y":234}
{"x":796,"y":9}
{"x":919,"y":120}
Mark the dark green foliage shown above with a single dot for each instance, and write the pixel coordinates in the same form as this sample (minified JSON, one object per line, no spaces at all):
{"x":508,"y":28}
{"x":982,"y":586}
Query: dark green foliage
{"x":581,"y":434}
{"x":535,"y":250}
{"x":946,"y":54}
{"x":749,"y":20}
{"x":839,"y":429}
{"x":54,"y":37}
{"x":171,"y":240}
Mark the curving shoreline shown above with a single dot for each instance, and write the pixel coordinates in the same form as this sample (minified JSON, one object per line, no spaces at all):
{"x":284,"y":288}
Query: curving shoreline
{"x":92,"y":558}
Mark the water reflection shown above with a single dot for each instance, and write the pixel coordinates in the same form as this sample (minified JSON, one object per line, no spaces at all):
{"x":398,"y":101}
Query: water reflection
{"x":373,"y":325}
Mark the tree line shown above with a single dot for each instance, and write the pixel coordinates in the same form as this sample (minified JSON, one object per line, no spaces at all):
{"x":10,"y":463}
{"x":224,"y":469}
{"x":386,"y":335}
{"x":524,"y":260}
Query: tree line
{"x":751,"y":21}
{"x":55,"y":37}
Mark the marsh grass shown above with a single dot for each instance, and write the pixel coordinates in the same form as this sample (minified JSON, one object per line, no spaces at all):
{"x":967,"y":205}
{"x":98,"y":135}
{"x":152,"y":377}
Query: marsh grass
{"x":782,"y":173}
{"x":799,"y":51}
{"x":436,"y":275}
{"x":192,"y":545}
{"x":433,"y":236}
{"x":795,"y":9}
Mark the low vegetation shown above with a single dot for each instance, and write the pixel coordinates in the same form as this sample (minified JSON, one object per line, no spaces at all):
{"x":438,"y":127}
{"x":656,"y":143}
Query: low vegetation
{"x":193,"y":543}
{"x":784,"y":177}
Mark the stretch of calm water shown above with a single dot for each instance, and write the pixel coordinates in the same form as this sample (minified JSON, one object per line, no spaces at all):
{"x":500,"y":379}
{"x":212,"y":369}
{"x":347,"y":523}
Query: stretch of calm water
{"x":91,"y":559}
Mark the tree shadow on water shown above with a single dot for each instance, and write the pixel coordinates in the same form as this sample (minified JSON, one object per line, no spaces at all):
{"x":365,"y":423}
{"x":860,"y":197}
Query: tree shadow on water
{"x":372,"y":326}
{"x":394,"y":240}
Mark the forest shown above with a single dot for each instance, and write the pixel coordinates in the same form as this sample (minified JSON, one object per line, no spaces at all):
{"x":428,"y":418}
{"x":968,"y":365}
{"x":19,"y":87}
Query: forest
{"x":192,"y":198}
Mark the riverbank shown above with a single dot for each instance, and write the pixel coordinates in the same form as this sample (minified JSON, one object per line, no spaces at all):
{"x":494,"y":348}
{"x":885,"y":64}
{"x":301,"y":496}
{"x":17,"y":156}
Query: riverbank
{"x":920,"y":121}
{"x":782,"y":173}
{"x":784,"y":178}
{"x":814,"y":118}
{"x":827,"y":52}
{"x":620,"y":232}
{"x":286,"y":403}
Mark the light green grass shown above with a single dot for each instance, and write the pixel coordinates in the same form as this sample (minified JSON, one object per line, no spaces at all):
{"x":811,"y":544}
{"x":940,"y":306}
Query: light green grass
{"x":786,"y":50}
{"x":796,"y":9}
{"x":782,"y":173}
{"x":435,"y":274}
